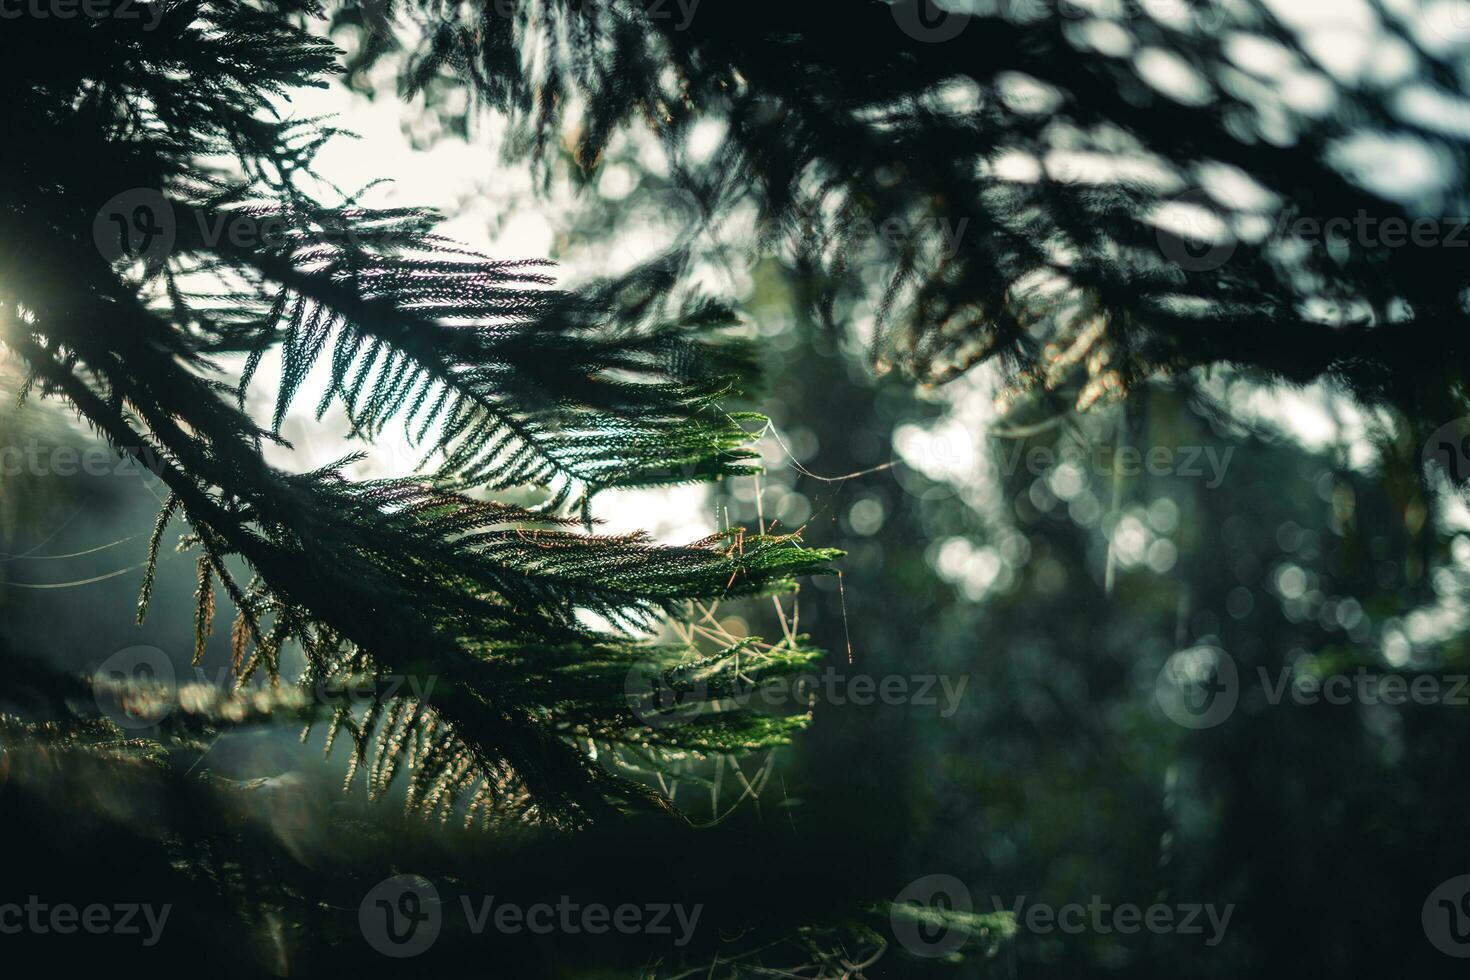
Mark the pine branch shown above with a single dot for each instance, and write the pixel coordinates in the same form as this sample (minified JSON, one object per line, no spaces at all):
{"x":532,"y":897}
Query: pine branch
{"x":1059,"y":157}
{"x":511,"y":381}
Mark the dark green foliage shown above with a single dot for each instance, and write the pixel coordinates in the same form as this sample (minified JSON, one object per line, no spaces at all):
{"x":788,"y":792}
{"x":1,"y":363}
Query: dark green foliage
{"x":535,"y":704}
{"x":1059,"y":778}
{"x":510,"y":382}
{"x":267,"y":874}
{"x":838,"y":119}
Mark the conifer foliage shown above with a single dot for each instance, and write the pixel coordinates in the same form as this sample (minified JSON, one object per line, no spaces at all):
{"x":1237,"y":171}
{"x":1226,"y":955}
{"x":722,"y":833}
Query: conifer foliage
{"x":136,"y":151}
{"x":1088,"y":194}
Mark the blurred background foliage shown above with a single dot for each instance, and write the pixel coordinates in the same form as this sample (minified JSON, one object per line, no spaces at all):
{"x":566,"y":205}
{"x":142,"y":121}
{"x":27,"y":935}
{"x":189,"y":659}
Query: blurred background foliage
{"x":1289,"y":526}
{"x":1058,"y":591}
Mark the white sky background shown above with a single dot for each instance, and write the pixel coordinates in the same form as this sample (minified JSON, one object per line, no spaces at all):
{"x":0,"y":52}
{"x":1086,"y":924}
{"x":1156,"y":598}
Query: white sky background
{"x":487,"y":206}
